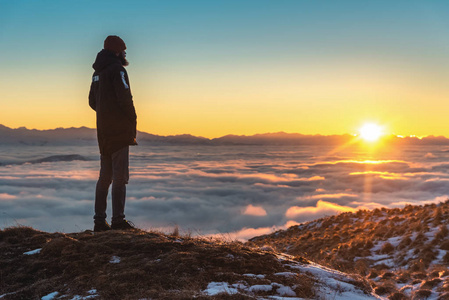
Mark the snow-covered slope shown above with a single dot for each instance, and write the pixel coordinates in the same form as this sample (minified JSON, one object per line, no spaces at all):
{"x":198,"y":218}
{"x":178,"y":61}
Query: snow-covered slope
{"x":403,"y":252}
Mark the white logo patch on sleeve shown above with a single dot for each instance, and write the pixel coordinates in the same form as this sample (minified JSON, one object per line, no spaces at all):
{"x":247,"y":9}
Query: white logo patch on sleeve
{"x":96,"y":78}
{"x":122,"y":74}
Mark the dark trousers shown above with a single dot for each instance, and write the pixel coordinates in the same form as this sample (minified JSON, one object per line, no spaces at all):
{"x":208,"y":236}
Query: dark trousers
{"x":115,"y":169}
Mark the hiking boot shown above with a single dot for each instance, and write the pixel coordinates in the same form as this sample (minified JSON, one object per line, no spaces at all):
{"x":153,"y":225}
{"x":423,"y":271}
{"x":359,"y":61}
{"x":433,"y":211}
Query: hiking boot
{"x":123,"y":225}
{"x":101,"y":226}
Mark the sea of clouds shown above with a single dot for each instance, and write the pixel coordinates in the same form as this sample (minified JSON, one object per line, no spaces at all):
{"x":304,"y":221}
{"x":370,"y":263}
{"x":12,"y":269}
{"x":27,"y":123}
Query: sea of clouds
{"x":237,"y":191}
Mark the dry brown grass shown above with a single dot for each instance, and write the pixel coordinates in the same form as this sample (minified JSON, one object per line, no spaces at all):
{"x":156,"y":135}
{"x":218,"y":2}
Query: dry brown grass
{"x":421,"y":294}
{"x":397,"y":296}
{"x":385,"y":288}
{"x":347,"y":241}
{"x":387,"y":248}
{"x":152,"y":265}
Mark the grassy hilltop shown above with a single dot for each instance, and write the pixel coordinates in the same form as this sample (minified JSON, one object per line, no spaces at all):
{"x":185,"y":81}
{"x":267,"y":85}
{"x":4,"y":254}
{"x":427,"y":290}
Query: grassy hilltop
{"x":382,"y":253}
{"x":371,"y":254}
{"x":150,"y":265}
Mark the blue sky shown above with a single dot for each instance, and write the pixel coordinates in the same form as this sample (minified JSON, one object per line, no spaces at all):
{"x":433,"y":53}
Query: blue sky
{"x":183,"y":51}
{"x":264,"y":25}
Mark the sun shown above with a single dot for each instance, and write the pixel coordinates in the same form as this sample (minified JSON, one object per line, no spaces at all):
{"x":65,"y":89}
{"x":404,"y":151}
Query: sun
{"x":371,"y":132}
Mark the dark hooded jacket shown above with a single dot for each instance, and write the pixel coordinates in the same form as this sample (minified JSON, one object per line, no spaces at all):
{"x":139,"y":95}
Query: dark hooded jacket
{"x":110,"y":96}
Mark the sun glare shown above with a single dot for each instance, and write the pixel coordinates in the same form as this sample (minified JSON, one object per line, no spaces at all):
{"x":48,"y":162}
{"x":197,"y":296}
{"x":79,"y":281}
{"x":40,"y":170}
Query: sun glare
{"x":371,"y":132}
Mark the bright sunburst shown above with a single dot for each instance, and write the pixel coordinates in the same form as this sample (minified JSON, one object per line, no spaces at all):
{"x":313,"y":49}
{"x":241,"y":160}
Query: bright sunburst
{"x":371,"y":132}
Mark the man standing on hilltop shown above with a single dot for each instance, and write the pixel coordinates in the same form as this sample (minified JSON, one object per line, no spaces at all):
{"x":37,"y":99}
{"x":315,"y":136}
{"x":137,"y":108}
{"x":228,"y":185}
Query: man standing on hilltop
{"x":110,"y":96}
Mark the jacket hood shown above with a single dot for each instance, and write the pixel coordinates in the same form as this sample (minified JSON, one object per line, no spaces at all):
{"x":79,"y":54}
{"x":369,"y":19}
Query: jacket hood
{"x":104,"y":59}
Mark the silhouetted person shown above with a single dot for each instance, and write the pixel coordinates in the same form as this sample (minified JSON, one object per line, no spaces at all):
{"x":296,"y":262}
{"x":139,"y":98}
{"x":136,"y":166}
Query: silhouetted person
{"x":110,"y":96}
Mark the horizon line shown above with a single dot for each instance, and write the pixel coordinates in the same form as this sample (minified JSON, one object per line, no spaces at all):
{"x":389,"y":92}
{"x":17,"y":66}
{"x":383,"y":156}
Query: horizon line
{"x":239,"y":135}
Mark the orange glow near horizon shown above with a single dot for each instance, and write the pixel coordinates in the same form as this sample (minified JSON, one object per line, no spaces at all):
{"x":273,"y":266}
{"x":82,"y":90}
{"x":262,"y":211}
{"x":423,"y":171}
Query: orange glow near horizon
{"x":202,"y":107}
{"x":210,"y":112}
{"x":166,"y":115}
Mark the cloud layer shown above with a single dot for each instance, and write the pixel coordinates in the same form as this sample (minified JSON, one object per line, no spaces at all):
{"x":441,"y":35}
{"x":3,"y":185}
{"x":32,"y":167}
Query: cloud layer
{"x":242,"y":190}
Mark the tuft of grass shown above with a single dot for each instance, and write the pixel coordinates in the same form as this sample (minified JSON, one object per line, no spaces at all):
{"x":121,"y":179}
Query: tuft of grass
{"x":397,"y":296}
{"x":175,"y":232}
{"x":385,"y":288}
{"x":421,"y":294}
{"x":387,"y":248}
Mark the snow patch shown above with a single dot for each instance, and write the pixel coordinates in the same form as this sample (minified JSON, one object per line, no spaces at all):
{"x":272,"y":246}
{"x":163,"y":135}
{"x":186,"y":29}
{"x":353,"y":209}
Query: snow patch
{"x":432,"y":233}
{"x":36,"y":251}
{"x":216,"y":288}
{"x":92,"y":294}
{"x":285,"y":291}
{"x":260,"y":288}
{"x":50,"y":296}
{"x":389,"y":262}
{"x":439,"y":258}
{"x":395,"y":241}
{"x":286,"y":274}
{"x":260,"y":276}
{"x":115,"y":260}
{"x":240,"y":286}
{"x":333,"y":284}
{"x":378,"y":257}
{"x":7,"y":294}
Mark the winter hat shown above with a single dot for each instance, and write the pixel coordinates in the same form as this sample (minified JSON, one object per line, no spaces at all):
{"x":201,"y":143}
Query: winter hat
{"x":114,"y":43}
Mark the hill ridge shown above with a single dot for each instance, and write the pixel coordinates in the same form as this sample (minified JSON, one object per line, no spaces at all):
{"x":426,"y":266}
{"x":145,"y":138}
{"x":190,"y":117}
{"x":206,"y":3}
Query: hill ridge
{"x":404,"y":253}
{"x":150,"y":265}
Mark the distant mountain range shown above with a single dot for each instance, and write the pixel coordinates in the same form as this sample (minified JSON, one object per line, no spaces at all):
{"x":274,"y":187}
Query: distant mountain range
{"x":87,"y":136}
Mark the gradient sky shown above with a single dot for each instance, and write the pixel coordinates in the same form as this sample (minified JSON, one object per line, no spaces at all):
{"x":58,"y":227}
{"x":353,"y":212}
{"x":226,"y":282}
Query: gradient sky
{"x":212,"y":68}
